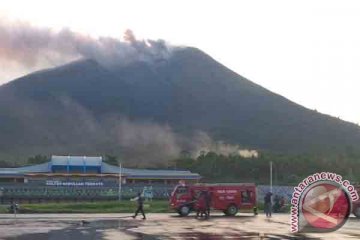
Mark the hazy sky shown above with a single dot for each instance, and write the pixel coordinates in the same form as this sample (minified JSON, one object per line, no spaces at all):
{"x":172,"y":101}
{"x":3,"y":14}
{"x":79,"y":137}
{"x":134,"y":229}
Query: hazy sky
{"x":307,"y":51}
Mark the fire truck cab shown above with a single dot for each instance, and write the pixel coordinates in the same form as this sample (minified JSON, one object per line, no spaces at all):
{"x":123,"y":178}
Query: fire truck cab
{"x":226,"y":197}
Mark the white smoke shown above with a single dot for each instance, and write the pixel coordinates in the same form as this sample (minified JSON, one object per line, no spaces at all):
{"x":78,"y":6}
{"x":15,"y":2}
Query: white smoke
{"x":203,"y":143}
{"x":147,"y":143}
{"x":31,"y":46}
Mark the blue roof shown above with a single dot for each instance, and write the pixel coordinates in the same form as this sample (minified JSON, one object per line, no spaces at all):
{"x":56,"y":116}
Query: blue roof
{"x":148,"y":173}
{"x":76,"y":161}
{"x":39,"y":168}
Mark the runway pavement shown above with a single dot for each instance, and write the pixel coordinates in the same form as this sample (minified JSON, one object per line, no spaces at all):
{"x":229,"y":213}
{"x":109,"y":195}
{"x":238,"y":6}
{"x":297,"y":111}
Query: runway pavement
{"x":157,"y":226}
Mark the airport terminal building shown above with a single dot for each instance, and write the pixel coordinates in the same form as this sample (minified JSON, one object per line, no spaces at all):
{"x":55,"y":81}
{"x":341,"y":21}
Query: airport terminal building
{"x":83,"y":178}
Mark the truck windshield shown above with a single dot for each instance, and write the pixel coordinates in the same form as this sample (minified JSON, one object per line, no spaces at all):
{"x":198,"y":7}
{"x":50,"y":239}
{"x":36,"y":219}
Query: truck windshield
{"x":181,"y":190}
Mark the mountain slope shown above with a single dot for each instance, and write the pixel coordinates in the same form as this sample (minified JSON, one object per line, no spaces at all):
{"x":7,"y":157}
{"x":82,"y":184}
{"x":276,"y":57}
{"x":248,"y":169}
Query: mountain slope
{"x":76,"y":109}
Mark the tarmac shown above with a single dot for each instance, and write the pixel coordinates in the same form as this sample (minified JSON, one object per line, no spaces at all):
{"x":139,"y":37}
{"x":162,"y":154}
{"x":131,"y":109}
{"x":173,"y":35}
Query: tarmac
{"x":158,"y":226}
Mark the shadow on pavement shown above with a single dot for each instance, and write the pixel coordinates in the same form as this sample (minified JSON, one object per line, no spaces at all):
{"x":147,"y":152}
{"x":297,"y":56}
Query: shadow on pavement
{"x":239,"y":235}
{"x":216,"y":216}
{"x":85,"y":231}
{"x":91,"y":230}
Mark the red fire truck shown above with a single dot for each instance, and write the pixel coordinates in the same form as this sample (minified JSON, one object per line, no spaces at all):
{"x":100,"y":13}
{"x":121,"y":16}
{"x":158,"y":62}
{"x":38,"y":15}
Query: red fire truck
{"x":226,"y":197}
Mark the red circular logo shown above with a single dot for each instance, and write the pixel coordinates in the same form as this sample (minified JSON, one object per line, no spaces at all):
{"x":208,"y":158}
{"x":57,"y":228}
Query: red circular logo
{"x":325,"y":206}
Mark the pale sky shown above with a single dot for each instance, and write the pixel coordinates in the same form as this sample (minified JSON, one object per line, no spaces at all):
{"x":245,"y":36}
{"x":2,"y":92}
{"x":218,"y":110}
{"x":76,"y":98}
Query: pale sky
{"x":307,"y":51}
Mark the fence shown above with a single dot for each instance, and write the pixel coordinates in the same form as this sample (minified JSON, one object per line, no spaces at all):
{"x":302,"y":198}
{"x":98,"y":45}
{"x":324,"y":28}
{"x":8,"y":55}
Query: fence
{"x":23,"y":193}
{"x":281,"y":191}
{"x":158,"y":191}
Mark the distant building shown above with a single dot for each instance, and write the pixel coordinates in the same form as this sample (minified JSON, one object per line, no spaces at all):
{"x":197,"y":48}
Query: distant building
{"x":83,"y":178}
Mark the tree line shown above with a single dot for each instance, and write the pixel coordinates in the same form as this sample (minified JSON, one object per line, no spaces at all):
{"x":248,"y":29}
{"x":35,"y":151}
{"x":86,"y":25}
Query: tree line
{"x":287,"y":169}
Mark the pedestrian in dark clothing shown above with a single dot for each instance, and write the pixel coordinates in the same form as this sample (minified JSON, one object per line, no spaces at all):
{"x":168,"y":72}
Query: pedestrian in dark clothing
{"x":208,"y":203}
{"x":282,"y":204}
{"x":14,"y":207}
{"x":276,"y":207}
{"x":200,"y":205}
{"x":267,"y":204}
{"x":140,"y":204}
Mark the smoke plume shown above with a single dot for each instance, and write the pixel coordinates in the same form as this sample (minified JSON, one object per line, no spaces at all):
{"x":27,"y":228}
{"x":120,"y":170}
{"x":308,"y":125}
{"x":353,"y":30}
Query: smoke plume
{"x":72,"y":129}
{"x":201,"y":142}
{"x":31,"y":46}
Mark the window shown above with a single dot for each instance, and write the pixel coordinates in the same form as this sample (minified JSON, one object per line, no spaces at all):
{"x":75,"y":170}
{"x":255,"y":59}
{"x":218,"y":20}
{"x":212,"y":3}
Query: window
{"x":246,"y":196}
{"x":180,"y":191}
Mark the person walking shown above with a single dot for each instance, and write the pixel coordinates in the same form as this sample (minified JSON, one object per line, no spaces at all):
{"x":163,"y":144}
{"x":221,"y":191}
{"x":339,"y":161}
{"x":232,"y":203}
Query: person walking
{"x":140,"y":203}
{"x":208,"y":203}
{"x":200,"y":205}
{"x":276,"y":207}
{"x":267,"y":204}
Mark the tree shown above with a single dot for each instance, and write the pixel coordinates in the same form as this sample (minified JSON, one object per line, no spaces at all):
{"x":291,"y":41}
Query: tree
{"x":37,"y":159}
{"x":5,"y":164}
{"x":111,"y":159}
{"x":185,"y":154}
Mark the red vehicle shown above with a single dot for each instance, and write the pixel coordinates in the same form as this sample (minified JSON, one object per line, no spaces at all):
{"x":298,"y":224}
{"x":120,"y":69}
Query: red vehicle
{"x":226,"y":197}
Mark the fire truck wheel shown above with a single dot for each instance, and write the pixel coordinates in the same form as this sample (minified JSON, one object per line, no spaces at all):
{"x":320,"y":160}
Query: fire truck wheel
{"x":184,"y":211}
{"x":232,"y":210}
{"x":357,"y":212}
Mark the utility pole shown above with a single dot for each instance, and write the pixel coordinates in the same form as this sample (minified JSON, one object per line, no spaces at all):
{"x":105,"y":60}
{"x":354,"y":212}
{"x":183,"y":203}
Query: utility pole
{"x":271,"y":182}
{"x":120,"y":180}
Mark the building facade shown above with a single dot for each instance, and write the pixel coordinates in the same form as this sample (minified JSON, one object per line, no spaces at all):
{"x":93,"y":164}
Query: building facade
{"x":83,"y":178}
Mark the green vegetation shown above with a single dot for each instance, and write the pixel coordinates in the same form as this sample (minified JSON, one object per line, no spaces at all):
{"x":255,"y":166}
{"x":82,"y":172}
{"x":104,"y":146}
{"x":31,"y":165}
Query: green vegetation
{"x":38,"y":159}
{"x":91,"y":207}
{"x":287,"y":169}
{"x":111,"y":159}
{"x":4,"y":209}
{"x":6,"y":164}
